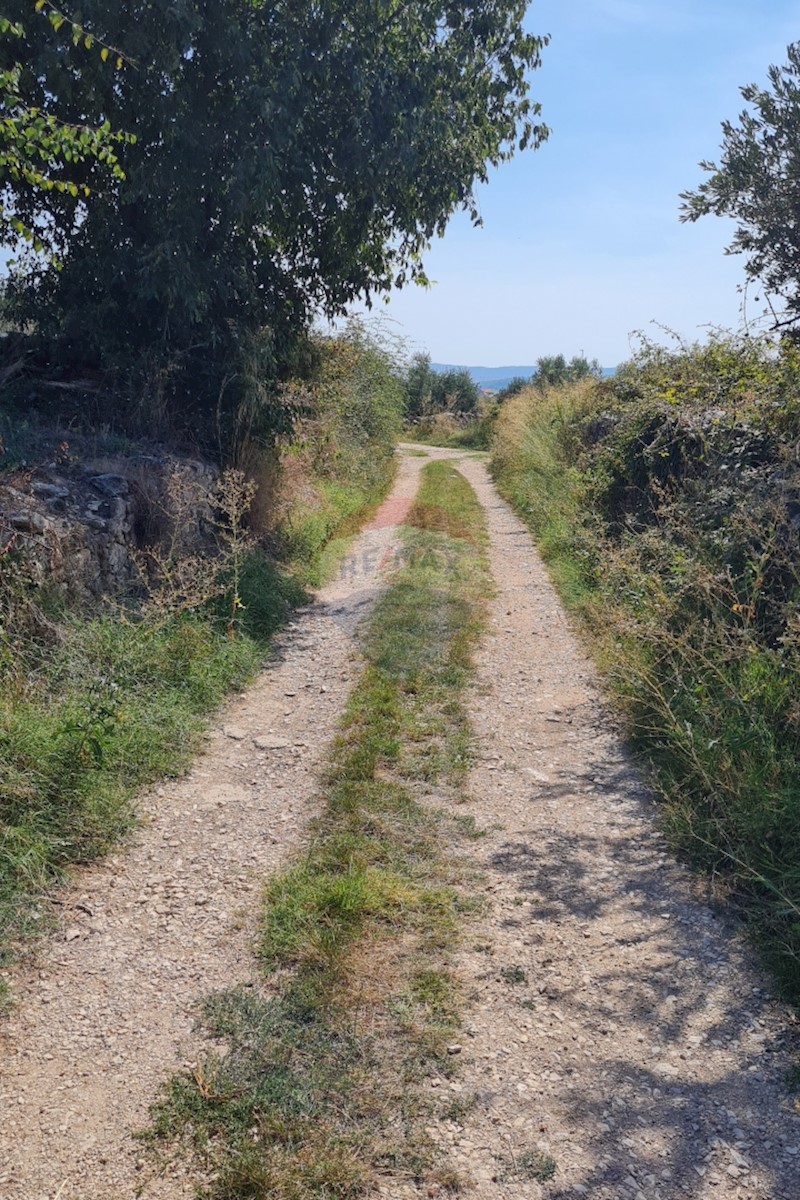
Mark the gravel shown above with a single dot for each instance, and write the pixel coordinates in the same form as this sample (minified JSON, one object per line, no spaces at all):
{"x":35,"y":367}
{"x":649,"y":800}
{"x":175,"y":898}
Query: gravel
{"x":615,"y":1022}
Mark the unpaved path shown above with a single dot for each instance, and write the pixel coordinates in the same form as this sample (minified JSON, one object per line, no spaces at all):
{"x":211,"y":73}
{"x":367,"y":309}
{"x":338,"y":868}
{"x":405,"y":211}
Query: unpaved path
{"x":614,"y":1023}
{"x":108,"y":1012}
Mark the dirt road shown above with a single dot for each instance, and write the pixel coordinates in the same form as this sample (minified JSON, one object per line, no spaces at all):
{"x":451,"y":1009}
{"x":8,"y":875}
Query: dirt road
{"x":618,"y":1033}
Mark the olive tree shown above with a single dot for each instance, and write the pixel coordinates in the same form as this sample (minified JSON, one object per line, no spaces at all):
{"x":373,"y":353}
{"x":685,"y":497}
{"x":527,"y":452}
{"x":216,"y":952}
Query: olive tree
{"x":757,"y":183}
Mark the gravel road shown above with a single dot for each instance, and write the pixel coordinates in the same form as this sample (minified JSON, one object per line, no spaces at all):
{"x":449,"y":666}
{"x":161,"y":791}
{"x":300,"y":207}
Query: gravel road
{"x":617,"y":1030}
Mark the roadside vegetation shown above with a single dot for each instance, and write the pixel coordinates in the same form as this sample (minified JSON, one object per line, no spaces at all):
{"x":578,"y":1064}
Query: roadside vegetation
{"x":454,"y":433}
{"x":667,"y":505}
{"x":314,"y":1090}
{"x":94,"y":704}
{"x":445,"y":408}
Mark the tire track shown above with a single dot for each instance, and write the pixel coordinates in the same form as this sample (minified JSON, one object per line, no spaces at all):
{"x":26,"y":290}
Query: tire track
{"x":106,"y":1011}
{"x":619,"y":1032}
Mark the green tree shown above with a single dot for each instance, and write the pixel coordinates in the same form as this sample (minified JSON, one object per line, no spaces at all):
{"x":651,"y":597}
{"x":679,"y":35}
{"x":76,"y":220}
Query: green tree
{"x":552,"y":370}
{"x":455,"y":391}
{"x":291,"y":156}
{"x":419,"y":380}
{"x":37,"y":148}
{"x":512,"y":388}
{"x":429,"y":391}
{"x":757,"y":183}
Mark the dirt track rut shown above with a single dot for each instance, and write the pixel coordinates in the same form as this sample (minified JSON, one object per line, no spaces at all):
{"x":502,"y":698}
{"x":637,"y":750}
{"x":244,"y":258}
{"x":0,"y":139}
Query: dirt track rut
{"x":618,"y":1030}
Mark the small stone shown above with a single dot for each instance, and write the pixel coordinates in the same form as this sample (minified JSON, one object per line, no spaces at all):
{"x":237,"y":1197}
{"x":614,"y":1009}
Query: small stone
{"x":27,"y":522}
{"x":539,"y":776}
{"x":270,"y":742}
{"x":235,"y":732}
{"x":50,"y":491}
{"x":454,"y":1049}
{"x":72,"y":933}
{"x":110,"y":485}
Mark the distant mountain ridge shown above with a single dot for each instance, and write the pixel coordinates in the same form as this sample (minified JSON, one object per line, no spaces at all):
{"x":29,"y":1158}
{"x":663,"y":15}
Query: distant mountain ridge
{"x":486,"y":374}
{"x":496,"y":378}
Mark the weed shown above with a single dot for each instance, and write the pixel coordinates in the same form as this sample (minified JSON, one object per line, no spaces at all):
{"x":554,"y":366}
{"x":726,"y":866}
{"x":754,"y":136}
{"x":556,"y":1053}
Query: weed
{"x":513,"y":975}
{"x":530,"y":1164}
{"x":468,"y":827}
{"x":533,"y":1164}
{"x":458,"y":1109}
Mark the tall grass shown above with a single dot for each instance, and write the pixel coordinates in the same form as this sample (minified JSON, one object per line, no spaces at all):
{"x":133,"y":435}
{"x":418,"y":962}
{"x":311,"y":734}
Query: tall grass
{"x":667,"y":525}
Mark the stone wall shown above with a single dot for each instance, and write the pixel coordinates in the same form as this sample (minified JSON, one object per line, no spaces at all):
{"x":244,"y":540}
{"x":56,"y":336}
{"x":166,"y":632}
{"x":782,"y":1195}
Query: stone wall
{"x":78,"y":527}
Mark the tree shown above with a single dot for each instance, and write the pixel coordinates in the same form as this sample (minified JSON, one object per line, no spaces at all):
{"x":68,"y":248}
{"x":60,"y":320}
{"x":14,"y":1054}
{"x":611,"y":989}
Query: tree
{"x":37,"y":148}
{"x":419,"y":379}
{"x":514,"y":386}
{"x":429,"y":391}
{"x":291,"y":156}
{"x":553,"y":370}
{"x":757,"y":183}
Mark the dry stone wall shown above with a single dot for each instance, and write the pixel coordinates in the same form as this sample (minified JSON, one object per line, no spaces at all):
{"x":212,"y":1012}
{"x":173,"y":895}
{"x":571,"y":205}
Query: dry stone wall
{"x":78,"y":528}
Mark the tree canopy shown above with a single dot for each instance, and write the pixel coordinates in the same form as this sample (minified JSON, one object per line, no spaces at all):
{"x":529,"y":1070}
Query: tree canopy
{"x":290,"y":157}
{"x":37,"y":147}
{"x":429,"y":391}
{"x":757,"y":183}
{"x":554,"y":369}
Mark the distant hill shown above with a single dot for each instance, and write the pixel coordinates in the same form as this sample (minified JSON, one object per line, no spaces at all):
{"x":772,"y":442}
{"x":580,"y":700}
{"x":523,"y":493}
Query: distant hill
{"x":496,"y":378}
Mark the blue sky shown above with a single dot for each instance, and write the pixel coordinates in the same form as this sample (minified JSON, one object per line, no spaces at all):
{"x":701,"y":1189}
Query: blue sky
{"x":581,"y":242}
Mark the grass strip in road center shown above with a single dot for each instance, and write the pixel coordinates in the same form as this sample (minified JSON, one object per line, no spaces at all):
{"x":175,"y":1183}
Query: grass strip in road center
{"x":315,"y":1088}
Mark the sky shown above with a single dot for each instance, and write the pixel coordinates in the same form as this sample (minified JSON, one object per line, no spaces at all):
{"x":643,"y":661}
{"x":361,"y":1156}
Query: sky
{"x":581,"y":243}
